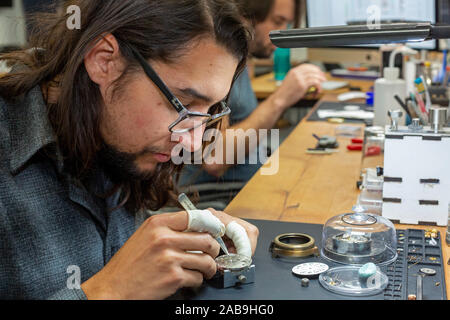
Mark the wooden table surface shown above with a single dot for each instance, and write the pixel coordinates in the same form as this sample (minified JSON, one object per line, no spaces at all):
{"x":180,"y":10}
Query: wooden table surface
{"x":265,"y":85}
{"x":309,"y":188}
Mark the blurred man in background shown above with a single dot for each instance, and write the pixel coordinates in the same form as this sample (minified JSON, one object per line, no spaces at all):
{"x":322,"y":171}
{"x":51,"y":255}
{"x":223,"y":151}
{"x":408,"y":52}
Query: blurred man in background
{"x":264,"y":16}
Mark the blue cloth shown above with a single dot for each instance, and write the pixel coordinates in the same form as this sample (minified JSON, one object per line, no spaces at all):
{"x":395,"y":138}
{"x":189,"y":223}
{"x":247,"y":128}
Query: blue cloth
{"x":48,"y":220}
{"x":242,"y":99}
{"x":242,"y":102}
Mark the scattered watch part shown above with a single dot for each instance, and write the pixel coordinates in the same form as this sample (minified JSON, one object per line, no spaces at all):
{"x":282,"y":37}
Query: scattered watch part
{"x":428,"y":271}
{"x":310,"y":269}
{"x":305,"y":282}
{"x":293,"y":245}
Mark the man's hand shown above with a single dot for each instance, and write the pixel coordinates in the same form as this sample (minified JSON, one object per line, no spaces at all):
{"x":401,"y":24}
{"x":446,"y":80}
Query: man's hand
{"x":251,"y":230}
{"x":296,"y":84}
{"x":154,"y":263}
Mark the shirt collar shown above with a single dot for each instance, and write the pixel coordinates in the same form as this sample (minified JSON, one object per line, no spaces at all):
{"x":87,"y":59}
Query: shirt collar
{"x":30,"y":128}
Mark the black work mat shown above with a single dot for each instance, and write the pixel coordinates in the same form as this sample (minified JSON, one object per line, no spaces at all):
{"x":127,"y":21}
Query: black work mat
{"x":418,"y":253}
{"x":327,"y":105}
{"x":274,"y":279}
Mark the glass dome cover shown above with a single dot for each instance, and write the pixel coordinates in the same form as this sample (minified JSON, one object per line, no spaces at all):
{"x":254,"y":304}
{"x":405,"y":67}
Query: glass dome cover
{"x":358,"y":238}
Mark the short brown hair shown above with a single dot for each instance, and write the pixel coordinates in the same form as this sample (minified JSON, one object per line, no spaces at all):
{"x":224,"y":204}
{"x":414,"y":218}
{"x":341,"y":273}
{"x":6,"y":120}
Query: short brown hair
{"x":257,"y":11}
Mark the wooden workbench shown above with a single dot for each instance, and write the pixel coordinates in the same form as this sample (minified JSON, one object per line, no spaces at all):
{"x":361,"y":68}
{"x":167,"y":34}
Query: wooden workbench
{"x":309,"y":188}
{"x":265,"y":85}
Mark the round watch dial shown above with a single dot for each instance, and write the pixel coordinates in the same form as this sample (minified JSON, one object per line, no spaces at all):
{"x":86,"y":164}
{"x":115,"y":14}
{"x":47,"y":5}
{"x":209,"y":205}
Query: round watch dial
{"x":310,"y":269}
{"x":233,"y":262}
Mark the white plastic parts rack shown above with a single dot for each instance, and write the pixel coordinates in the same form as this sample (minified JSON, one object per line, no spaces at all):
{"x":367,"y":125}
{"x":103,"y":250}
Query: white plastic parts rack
{"x":416,"y":188}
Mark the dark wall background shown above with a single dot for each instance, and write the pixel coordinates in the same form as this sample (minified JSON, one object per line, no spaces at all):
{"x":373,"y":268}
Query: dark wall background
{"x":35,"y":5}
{"x":444,"y":11}
{"x":5,"y":3}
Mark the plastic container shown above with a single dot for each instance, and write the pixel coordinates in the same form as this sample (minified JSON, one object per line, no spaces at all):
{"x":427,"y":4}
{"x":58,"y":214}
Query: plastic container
{"x":371,"y":201}
{"x":372,"y":181}
{"x":281,"y":63}
{"x":348,"y":281}
{"x":374,"y":131}
{"x":385,"y":90}
{"x":369,"y":98}
{"x":373,"y":155}
{"x":358,"y":238}
{"x":348,"y":131}
{"x":409,"y":73}
{"x":374,"y":146}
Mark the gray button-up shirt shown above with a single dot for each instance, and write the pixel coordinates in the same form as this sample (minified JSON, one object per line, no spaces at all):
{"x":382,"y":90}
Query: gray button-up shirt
{"x":51,"y":226}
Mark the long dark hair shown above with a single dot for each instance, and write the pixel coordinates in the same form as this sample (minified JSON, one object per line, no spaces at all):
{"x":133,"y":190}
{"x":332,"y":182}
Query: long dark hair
{"x":158,"y":29}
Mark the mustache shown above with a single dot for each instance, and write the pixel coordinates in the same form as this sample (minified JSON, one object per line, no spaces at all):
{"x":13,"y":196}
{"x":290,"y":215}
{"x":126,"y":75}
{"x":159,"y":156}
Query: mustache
{"x":149,"y":150}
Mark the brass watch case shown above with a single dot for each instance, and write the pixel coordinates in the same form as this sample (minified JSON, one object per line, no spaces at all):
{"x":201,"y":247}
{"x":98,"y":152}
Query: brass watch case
{"x":293,"y":245}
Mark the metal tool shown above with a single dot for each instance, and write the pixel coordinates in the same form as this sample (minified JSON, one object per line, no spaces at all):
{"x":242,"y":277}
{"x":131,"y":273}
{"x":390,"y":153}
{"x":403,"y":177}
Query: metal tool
{"x":438,"y":118}
{"x":415,"y":125}
{"x":188,"y":205}
{"x":403,"y":105}
{"x":326,"y":142}
{"x":423,"y":272}
{"x":419,"y":292}
{"x":321,"y":151}
{"x":395,"y":116}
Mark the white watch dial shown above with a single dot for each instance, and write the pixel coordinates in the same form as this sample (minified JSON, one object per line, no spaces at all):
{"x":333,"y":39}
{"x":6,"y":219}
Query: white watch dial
{"x":310,"y":269}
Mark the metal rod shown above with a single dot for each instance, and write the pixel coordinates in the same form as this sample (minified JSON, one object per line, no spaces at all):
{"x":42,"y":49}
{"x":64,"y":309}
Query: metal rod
{"x":419,"y":292}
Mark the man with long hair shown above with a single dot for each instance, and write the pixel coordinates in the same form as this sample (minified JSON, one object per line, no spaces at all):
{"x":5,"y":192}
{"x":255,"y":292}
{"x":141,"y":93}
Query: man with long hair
{"x":89,"y":117}
{"x":264,"y":16}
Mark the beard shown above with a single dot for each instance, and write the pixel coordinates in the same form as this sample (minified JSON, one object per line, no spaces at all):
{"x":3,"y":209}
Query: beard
{"x":262,"y":54}
{"x":149,"y":190}
{"x":259,"y":51}
{"x":121,"y":166}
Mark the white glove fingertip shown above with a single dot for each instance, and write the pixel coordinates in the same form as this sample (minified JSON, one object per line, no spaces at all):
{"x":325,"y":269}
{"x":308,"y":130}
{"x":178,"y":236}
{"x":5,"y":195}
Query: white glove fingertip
{"x":205,"y":221}
{"x":239,"y":236}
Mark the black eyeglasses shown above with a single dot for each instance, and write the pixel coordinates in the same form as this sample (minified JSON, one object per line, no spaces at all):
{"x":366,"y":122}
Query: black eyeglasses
{"x":187,"y":120}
